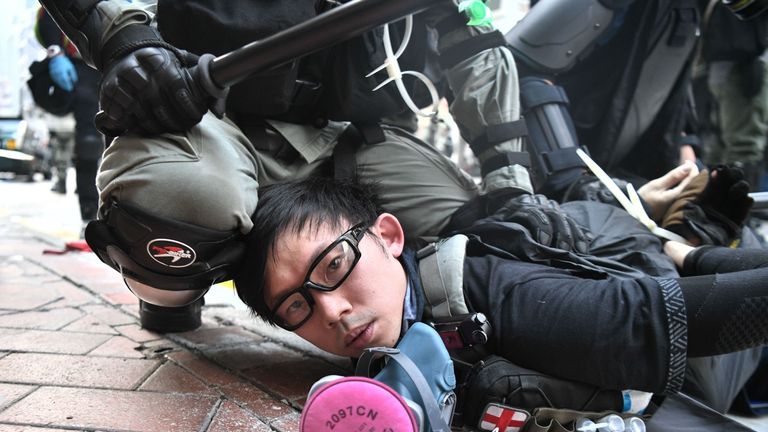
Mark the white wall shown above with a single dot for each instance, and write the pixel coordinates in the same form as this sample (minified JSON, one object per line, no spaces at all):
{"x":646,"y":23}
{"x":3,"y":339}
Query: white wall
{"x":17,"y":50}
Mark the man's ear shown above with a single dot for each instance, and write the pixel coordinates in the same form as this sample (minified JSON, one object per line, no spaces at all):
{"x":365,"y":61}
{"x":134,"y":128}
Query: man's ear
{"x":391,"y":233}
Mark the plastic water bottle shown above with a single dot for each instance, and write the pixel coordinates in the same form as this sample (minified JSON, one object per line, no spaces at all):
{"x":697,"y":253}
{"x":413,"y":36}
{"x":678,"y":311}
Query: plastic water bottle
{"x":634,"y":424}
{"x":585,"y":425}
{"x":610,"y":423}
{"x":635,"y":401}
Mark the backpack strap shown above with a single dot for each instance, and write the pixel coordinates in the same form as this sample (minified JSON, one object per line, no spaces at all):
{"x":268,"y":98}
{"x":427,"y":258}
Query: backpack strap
{"x":441,"y":266}
{"x":353,"y":137}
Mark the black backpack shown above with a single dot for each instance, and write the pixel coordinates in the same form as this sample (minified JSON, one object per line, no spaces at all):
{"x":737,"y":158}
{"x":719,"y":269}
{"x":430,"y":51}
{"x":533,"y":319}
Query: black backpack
{"x":497,"y":380}
{"x":46,"y":94}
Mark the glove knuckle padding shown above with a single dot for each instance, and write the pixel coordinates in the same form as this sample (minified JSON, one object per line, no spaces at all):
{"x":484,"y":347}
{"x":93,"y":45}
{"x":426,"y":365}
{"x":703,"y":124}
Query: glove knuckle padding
{"x":155,"y":59}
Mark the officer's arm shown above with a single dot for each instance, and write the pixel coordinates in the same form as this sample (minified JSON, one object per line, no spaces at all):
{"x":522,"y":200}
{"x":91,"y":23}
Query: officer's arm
{"x":149,"y":86}
{"x":100,"y":28}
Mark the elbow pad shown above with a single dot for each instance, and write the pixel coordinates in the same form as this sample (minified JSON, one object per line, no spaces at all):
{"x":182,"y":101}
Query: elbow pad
{"x":557,"y":33}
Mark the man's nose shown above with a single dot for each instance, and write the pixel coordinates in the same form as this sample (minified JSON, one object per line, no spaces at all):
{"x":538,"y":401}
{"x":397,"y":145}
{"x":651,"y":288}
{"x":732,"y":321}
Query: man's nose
{"x":331,"y":306}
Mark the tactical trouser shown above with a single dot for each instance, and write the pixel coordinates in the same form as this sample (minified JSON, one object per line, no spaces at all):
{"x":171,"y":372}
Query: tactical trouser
{"x":210,"y":175}
{"x":742,"y":120}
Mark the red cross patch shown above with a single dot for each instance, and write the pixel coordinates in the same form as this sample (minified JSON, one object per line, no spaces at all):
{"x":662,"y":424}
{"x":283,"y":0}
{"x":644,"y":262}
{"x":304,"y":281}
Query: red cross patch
{"x":502,"y":418}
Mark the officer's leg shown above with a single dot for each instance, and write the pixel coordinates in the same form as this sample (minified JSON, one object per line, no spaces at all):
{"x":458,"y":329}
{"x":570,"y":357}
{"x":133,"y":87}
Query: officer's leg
{"x":89,"y":143}
{"x":174,"y":209}
{"x":417,"y":183}
{"x":63,"y":148}
{"x":742,"y":114}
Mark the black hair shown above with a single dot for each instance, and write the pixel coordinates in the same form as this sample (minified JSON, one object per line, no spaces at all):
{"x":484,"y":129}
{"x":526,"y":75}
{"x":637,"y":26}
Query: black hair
{"x":292,"y":207}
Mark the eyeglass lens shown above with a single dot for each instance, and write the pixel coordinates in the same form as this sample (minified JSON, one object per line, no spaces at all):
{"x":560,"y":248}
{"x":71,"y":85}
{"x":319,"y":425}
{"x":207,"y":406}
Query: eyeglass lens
{"x":328,"y":272}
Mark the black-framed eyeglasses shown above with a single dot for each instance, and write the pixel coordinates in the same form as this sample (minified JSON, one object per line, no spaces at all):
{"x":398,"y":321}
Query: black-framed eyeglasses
{"x":328,"y":271}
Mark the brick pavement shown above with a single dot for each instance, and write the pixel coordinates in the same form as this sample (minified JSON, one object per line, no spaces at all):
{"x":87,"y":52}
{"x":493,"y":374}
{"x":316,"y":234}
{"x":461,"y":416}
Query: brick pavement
{"x":74,"y":357}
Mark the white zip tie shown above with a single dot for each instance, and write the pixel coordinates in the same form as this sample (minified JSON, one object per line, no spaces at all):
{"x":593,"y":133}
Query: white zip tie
{"x":632,"y":205}
{"x":396,"y":75}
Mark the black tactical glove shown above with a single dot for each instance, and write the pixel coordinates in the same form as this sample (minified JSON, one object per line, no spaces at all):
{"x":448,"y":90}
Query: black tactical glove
{"x":151,"y":90}
{"x":545,"y":221}
{"x":717,"y":215}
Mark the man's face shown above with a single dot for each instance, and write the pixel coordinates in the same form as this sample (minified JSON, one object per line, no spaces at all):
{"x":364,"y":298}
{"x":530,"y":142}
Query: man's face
{"x":366,"y":310}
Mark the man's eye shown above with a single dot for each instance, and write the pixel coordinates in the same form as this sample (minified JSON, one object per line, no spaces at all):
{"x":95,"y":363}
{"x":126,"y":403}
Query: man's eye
{"x":335,"y":263}
{"x":295,"y":306}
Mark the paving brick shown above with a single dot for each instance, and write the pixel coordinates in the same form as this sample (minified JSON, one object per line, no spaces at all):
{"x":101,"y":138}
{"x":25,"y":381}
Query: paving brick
{"x":110,"y":410}
{"x":248,"y":396}
{"x":119,"y":346}
{"x":10,"y":393}
{"x":10,"y":269}
{"x":71,"y":295}
{"x":108,"y":315}
{"x":23,"y":296}
{"x":90,"y":324}
{"x":170,"y":378}
{"x":205,"y":338}
{"x":20,"y":249}
{"x":232,"y":418}
{"x":203,"y":368}
{"x":78,"y":371}
{"x":21,"y":264}
{"x":293,"y":379}
{"x":131,"y":310}
{"x":121,"y":298}
{"x":134,"y":332}
{"x":158,"y":348}
{"x":51,"y":319}
{"x":18,"y":428}
{"x":248,"y":356}
{"x":288,"y":423}
{"x":51,"y":341}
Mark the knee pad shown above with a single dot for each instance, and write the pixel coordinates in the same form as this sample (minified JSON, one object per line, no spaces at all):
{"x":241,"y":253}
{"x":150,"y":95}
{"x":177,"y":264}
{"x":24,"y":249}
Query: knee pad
{"x":552,"y":140}
{"x":164,"y":262}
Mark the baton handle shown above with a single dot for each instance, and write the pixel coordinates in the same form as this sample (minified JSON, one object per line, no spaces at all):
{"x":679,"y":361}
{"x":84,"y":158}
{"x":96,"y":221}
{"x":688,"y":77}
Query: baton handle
{"x":327,"y":29}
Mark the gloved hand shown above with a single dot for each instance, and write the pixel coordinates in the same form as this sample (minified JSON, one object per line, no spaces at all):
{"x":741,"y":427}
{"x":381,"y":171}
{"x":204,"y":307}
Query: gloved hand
{"x":62,"y":72}
{"x":151,"y":91}
{"x":716,"y":215}
{"x":546,"y":222}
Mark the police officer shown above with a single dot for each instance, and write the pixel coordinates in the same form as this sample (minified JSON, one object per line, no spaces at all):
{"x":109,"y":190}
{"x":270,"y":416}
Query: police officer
{"x":179,"y":184}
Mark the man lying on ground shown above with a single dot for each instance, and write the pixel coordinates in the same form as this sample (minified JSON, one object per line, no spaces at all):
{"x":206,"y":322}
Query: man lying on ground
{"x":326,"y":263}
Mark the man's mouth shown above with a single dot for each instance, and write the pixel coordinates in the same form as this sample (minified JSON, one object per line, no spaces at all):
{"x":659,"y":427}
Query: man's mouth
{"x":359,"y":337}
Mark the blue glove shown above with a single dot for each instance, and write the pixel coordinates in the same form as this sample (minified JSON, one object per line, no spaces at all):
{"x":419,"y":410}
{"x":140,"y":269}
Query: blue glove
{"x":62,"y":72}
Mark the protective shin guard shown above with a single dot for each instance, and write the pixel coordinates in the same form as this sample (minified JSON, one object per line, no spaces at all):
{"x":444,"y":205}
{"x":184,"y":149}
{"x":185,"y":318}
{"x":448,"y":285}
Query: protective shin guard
{"x":552,"y":137}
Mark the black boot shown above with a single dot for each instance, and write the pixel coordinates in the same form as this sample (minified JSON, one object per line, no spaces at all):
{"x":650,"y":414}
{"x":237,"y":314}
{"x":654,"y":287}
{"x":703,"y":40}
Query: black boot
{"x":162,"y":319}
{"x":60,"y":186}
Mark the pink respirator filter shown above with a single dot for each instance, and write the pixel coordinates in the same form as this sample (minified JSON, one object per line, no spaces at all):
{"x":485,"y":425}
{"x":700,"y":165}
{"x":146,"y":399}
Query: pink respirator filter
{"x":355,"y":404}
